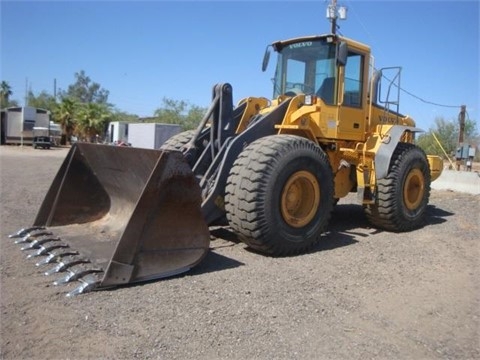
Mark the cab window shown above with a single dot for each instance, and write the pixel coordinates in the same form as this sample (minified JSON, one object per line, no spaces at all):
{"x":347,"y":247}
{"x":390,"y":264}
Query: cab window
{"x":353,"y":81}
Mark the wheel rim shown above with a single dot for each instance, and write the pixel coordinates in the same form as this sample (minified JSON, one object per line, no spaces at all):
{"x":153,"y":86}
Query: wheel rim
{"x":414,"y":189}
{"x":300,"y":199}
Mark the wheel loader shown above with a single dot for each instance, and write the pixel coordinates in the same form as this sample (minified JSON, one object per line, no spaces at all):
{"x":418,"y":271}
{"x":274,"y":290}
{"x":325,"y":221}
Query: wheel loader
{"x":271,"y":170}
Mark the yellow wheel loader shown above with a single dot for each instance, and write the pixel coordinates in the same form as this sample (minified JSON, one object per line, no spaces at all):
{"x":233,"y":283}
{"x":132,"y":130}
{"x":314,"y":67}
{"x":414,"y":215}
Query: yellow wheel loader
{"x":272,"y":170}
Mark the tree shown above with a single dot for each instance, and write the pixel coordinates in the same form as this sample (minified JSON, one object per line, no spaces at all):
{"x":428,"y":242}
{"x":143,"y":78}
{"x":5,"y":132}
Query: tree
{"x":85,"y":91}
{"x":179,"y":112}
{"x":118,"y":115}
{"x":194,"y":116}
{"x":42,"y":101}
{"x":92,"y":120}
{"x":172,"y":111}
{"x":447,"y":134}
{"x":5,"y":93}
{"x":65,"y":114}
{"x":83,"y":109}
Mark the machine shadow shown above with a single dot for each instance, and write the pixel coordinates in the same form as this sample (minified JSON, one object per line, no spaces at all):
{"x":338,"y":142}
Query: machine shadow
{"x":340,"y":231}
{"x":211,"y":263}
{"x":348,"y":225}
{"x":436,"y":215}
{"x":214,"y":262}
{"x":339,"y":234}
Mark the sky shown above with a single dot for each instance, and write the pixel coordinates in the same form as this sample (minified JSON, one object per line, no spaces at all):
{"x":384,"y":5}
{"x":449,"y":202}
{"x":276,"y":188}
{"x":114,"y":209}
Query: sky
{"x":144,"y":51}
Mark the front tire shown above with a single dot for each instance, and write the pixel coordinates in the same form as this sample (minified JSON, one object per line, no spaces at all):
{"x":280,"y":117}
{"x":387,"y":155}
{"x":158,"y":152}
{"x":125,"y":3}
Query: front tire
{"x":402,"y":196}
{"x":176,"y":142}
{"x":279,"y":195}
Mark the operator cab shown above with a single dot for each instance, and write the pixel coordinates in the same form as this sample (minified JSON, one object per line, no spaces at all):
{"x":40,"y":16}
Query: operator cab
{"x":311,"y":65}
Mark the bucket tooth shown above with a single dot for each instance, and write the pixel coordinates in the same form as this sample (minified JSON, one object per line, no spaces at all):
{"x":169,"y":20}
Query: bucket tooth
{"x":22,"y":232}
{"x":75,"y":274}
{"x":88,"y":283}
{"x":23,"y":240}
{"x":54,"y":255}
{"x":64,"y":280}
{"x":37,"y":244}
{"x":67,"y":262}
{"x":32,"y":235}
{"x":45,"y":250}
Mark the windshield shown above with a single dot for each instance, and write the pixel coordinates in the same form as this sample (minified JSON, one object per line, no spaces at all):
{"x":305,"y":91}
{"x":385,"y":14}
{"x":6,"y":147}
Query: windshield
{"x":306,"y":67}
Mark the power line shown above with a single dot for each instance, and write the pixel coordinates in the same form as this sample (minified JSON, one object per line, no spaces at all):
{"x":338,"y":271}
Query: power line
{"x":401,"y":89}
{"x":418,"y":97}
{"x":428,"y":102}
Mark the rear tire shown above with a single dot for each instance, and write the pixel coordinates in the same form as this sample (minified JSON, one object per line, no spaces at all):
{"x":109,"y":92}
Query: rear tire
{"x":176,"y":142}
{"x":279,"y":195}
{"x":402,"y":196}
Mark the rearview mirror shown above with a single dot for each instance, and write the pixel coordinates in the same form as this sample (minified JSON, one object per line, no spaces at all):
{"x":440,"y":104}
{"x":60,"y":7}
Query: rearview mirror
{"x":266,"y":58}
{"x":342,"y":53}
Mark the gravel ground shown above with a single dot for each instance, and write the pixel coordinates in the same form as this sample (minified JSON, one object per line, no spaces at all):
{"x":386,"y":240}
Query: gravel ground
{"x":362,"y":293}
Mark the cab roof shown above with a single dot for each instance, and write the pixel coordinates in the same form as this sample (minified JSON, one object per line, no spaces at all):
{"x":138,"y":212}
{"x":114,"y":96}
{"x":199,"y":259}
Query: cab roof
{"x":279,"y":45}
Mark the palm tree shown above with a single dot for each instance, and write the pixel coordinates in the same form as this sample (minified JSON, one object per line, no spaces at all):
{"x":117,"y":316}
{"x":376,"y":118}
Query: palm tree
{"x":65,"y":115}
{"x":5,"y":93}
{"x":92,"y":119}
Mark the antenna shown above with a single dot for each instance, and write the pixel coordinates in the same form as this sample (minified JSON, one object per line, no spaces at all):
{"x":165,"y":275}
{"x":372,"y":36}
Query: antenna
{"x":334,"y":13}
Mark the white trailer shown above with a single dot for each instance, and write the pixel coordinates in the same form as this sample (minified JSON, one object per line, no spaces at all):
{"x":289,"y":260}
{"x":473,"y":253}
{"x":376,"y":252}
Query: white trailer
{"x":55,"y":133}
{"x":117,"y":132}
{"x":17,"y":124}
{"x":151,"y":135}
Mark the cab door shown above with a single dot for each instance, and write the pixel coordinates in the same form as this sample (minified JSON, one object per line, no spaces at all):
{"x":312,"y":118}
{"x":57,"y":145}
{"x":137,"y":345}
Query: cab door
{"x":352,"y":92}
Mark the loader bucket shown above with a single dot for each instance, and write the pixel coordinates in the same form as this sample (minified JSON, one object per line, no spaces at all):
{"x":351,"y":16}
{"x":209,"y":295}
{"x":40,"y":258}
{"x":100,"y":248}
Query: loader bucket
{"x":120,"y":215}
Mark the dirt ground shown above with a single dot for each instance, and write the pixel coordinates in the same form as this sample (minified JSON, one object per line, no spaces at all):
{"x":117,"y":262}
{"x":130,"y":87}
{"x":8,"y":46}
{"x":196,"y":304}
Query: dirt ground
{"x":362,"y":293}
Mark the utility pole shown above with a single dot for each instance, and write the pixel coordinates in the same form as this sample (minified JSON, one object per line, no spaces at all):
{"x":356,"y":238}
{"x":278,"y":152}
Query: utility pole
{"x":334,"y":19}
{"x":461,"y":135}
{"x":461,"y":121}
{"x":26,"y":92}
{"x":333,"y":14}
